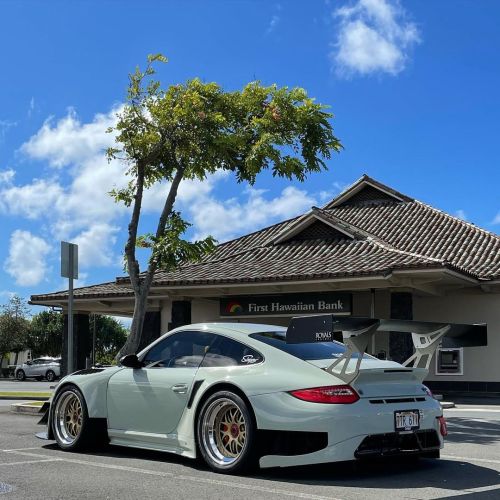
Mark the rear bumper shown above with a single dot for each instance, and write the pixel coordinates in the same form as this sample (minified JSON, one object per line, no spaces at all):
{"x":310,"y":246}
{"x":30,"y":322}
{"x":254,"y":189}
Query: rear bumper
{"x":355,"y":431}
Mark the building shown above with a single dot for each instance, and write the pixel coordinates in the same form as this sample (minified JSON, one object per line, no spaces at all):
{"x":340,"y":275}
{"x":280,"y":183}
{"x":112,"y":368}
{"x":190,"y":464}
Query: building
{"x":370,"y":251}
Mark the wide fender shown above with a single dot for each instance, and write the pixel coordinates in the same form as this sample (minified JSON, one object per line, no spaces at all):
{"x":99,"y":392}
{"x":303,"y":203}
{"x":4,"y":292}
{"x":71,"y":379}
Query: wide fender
{"x":93,"y":384}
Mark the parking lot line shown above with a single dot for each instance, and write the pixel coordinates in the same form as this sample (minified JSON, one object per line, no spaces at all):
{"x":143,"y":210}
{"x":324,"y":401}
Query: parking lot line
{"x":470,"y":459}
{"x":482,"y":410}
{"x":22,"y":449}
{"x":3,"y":464}
{"x":178,"y":477}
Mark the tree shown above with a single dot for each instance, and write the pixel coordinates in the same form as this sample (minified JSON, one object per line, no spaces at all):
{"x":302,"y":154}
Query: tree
{"x":46,"y":334}
{"x":191,"y":130}
{"x":14,"y":326}
{"x":110,"y":336}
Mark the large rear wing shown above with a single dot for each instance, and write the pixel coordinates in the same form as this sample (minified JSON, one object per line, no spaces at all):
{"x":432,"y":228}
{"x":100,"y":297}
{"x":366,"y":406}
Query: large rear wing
{"x":357,"y":333}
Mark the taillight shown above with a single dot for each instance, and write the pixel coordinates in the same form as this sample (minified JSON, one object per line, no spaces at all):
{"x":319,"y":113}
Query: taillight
{"x":332,"y":394}
{"x":443,"y":428}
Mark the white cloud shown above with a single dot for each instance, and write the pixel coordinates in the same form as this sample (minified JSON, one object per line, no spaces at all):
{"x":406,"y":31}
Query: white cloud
{"x":225,"y":219}
{"x":26,"y":261}
{"x":73,"y":204}
{"x":273,"y":23}
{"x":31,"y":200}
{"x":5,"y":125}
{"x":461,"y":214}
{"x":69,"y":141}
{"x":95,"y":245}
{"x":31,"y":107}
{"x":496,"y":220}
{"x":275,"y":19}
{"x":373,"y":37}
{"x":80,"y":208}
{"x":6,"y":176}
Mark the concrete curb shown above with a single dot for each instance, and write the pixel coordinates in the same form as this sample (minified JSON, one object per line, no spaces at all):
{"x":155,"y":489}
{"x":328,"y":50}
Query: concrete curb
{"x":447,"y":404}
{"x":26,"y":409}
{"x":26,"y":398}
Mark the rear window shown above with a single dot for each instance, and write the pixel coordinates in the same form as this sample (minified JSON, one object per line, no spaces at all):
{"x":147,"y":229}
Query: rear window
{"x":307,"y":352}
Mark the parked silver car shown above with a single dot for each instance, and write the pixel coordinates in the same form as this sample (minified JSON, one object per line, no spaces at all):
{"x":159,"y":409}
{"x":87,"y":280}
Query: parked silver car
{"x":40,"y":368}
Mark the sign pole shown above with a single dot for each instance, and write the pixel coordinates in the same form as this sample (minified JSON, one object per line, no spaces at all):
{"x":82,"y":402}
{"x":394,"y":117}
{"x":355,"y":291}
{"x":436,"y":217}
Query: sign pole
{"x":69,"y":269}
{"x":70,"y":315}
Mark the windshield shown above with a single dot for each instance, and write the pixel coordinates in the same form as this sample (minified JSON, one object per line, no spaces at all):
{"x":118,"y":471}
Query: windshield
{"x":307,"y":352}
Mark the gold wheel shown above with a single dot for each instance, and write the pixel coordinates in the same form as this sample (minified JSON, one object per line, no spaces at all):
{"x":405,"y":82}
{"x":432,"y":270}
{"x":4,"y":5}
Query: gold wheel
{"x":68,"y":417}
{"x":224,"y":431}
{"x":231,"y":434}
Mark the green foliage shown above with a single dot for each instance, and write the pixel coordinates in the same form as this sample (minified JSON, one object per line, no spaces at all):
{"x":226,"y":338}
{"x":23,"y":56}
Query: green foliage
{"x":110,"y":337}
{"x":14,"y":325}
{"x":46,"y":334}
{"x":193,"y":129}
{"x":201,"y":128}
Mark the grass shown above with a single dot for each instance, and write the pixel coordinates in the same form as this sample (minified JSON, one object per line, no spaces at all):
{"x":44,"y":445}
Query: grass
{"x":25,"y":394}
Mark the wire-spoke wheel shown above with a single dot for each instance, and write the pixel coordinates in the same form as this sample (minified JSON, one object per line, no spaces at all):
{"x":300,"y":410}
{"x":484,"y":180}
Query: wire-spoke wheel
{"x":70,"y":421}
{"x":225,"y":432}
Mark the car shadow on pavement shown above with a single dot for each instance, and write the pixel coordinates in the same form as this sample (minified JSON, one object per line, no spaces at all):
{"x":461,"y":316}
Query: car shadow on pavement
{"x":464,"y":430}
{"x":378,"y":475}
{"x":391,"y":474}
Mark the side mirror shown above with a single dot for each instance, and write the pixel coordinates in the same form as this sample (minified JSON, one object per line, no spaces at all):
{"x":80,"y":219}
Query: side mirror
{"x":131,"y":361}
{"x":29,"y":363}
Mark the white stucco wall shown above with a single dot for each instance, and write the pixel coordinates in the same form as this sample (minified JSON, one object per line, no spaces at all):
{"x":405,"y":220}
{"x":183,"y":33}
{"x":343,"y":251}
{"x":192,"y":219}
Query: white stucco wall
{"x":204,"y":310}
{"x":481,"y":364}
{"x":165,"y":315}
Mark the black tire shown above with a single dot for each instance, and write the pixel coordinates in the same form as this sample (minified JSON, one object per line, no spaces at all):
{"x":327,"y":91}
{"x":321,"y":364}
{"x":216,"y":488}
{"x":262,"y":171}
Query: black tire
{"x":20,"y":375}
{"x":210,"y":437}
{"x":50,"y":376}
{"x":65,"y":434}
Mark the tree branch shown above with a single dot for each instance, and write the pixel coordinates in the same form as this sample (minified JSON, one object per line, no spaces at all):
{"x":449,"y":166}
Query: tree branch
{"x":167,"y":209}
{"x":132,"y":263}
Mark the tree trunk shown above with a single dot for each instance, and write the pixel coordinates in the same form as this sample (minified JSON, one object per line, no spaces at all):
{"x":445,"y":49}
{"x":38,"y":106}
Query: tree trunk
{"x":134,"y":339}
{"x":17,"y":356}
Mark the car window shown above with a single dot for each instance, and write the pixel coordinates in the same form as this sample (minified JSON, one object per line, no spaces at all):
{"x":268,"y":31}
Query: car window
{"x":37,"y":361}
{"x":308,"y":351}
{"x":228,"y":352}
{"x":180,"y":350}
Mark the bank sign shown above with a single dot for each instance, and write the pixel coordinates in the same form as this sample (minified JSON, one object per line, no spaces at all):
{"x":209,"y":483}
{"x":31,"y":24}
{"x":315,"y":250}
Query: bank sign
{"x":295,"y":304}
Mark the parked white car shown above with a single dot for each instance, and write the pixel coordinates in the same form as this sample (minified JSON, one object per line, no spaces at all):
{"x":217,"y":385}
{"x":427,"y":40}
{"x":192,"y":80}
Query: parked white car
{"x":40,"y":368}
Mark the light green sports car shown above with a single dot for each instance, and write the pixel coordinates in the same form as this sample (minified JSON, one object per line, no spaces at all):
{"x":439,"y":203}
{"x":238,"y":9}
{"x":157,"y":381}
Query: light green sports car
{"x":240,"y":394}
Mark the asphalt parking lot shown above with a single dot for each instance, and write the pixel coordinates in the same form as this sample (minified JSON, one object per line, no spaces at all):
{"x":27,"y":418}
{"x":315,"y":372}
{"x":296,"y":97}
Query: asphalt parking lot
{"x":34,"y":469}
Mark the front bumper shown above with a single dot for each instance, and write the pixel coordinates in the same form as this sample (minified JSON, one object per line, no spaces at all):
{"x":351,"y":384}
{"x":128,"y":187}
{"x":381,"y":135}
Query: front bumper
{"x":354,"y":431}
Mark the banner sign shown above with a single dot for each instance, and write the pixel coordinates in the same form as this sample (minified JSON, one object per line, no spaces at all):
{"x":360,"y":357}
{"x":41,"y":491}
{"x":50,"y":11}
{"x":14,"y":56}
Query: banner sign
{"x":288,"y":304}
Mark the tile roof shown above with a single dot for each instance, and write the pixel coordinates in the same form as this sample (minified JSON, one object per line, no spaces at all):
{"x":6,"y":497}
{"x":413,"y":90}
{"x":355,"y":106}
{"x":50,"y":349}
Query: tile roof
{"x":101,"y":291}
{"x":419,"y":228}
{"x":390,"y":232}
{"x":298,"y":260}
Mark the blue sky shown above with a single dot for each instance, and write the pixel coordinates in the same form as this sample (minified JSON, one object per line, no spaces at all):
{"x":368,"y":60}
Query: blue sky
{"x":414,"y":88}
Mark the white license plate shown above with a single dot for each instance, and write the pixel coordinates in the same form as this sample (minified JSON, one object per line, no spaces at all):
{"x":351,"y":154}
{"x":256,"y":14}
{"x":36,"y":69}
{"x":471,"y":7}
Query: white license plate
{"x":407,"y":420}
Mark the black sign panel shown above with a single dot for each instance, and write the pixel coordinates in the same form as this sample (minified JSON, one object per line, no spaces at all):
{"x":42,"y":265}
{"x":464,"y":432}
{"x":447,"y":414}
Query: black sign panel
{"x":293,"y":304}
{"x":322,"y":328}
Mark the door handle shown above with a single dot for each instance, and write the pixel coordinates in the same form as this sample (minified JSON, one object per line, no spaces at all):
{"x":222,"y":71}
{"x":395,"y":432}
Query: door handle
{"x":180,"y":388}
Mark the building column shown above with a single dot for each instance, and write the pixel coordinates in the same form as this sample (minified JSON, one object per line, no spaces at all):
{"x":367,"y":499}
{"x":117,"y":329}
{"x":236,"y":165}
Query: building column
{"x":151,"y":329}
{"x":181,"y":314}
{"x":401,"y":344}
{"x":82,"y":342}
